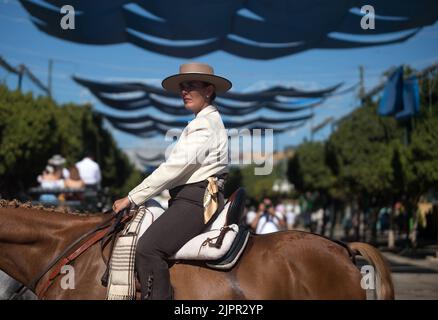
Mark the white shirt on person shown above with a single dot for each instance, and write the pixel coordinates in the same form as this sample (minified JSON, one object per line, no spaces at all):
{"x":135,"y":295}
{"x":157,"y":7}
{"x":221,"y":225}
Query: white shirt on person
{"x":268,"y":224}
{"x":52,"y":184}
{"x":250,"y":216}
{"x":201,"y":151}
{"x":89,"y":171}
{"x":65,"y":173}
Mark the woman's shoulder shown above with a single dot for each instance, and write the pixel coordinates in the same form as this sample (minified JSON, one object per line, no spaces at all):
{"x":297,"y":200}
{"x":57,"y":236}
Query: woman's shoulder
{"x":200,"y":123}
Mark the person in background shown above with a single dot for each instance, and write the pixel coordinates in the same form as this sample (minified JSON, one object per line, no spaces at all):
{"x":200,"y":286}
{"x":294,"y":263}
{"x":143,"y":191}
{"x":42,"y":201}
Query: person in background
{"x":74,"y":181}
{"x":89,"y":171}
{"x":267,"y":219}
{"x":250,"y":215}
{"x":254,"y":218}
{"x":280,"y":210}
{"x":50,"y":180}
{"x":58,"y":163}
{"x":292,"y":212}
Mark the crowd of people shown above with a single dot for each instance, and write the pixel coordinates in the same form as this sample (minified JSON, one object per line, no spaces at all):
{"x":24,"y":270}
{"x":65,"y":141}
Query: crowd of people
{"x":269,"y":216}
{"x":56,"y":176}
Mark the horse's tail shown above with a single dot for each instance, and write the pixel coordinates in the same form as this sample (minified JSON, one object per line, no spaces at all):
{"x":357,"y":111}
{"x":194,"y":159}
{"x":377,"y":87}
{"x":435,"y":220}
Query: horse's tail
{"x":384,"y":286}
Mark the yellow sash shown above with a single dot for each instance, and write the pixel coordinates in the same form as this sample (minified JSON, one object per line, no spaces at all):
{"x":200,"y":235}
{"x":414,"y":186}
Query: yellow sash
{"x":210,"y":199}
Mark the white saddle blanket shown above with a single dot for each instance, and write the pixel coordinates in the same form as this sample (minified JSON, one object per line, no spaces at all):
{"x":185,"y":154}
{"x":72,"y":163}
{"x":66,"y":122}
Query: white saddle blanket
{"x":197,"y":248}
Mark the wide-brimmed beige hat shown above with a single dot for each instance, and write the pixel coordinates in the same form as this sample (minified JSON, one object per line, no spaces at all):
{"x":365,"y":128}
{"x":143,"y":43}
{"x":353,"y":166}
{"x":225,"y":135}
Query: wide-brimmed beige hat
{"x":195,"y":71}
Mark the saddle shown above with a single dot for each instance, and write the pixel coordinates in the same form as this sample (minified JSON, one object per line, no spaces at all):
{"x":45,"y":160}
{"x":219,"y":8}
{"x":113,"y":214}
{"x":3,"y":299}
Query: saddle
{"x":222,"y":242}
{"x":220,"y":246}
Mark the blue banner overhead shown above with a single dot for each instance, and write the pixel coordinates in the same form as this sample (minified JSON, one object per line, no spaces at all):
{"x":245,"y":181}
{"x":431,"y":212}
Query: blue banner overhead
{"x":254,"y":29}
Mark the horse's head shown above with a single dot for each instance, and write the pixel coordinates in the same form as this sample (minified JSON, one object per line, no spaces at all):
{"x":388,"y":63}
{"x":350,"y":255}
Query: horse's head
{"x":31,"y":236}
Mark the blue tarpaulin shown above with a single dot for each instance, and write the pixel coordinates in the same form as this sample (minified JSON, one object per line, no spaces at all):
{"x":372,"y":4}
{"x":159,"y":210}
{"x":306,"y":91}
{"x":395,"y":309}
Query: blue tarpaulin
{"x":230,"y":103}
{"x":255,"y":29}
{"x":411,"y":99}
{"x":392,"y":99}
{"x":401,"y":97}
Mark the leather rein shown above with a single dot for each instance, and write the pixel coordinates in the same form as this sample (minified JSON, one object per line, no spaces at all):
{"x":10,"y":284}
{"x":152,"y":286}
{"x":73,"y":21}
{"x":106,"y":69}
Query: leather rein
{"x":100,"y":233}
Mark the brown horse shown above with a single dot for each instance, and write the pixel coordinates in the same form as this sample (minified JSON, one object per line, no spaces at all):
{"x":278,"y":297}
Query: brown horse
{"x":282,"y":265}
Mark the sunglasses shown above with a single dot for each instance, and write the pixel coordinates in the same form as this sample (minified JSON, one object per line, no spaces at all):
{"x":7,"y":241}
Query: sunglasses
{"x":192,"y":85}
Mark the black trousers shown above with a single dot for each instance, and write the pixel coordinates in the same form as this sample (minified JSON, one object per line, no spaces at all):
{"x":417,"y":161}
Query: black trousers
{"x":183,"y":220}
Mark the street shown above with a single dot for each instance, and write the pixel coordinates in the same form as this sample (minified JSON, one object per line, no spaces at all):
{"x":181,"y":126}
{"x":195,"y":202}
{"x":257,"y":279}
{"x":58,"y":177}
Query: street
{"x":414,"y":279}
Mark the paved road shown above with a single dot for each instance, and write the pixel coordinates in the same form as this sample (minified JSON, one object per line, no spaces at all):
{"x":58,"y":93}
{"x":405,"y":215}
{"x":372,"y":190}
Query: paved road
{"x":414,"y":278}
{"x":415,"y":286}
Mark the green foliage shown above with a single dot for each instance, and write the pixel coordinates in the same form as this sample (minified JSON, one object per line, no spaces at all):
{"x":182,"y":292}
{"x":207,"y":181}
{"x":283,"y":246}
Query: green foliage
{"x":374,"y":160}
{"x":234,"y":181}
{"x":361,"y":152}
{"x":259,"y":186}
{"x":34,"y":129}
{"x":424,"y":146}
{"x":308,"y":170}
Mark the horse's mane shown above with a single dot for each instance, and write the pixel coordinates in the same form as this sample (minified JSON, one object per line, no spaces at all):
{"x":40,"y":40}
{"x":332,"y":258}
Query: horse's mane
{"x":28,"y":205}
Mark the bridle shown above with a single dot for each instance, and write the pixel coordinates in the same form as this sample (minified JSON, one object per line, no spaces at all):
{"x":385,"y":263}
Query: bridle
{"x":102,"y":233}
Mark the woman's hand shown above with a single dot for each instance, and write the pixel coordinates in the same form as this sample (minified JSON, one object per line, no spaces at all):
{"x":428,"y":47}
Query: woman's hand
{"x":121,"y":204}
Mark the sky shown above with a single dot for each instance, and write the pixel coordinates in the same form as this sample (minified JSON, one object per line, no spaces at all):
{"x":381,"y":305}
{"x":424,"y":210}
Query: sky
{"x":22,"y":43}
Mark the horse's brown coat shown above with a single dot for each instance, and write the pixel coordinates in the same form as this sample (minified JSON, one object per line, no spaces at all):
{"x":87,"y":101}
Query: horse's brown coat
{"x":282,"y":265}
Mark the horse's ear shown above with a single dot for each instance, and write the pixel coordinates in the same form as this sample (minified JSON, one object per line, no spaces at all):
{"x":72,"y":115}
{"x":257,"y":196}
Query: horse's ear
{"x":237,"y":206}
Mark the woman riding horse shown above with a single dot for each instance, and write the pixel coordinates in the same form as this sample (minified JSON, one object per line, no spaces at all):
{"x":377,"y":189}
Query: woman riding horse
{"x":191,"y":174}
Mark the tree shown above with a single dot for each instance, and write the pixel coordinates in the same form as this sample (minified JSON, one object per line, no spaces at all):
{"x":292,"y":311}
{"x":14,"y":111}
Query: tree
{"x":311,"y":176}
{"x":233,"y":182}
{"x":259,"y":186}
{"x":416,"y":165}
{"x":34,"y":129}
{"x":308,"y":170}
{"x":361,"y":154}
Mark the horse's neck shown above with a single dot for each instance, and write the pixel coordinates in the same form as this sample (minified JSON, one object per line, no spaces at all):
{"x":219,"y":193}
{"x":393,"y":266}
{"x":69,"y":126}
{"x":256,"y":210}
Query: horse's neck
{"x":30,"y":239}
